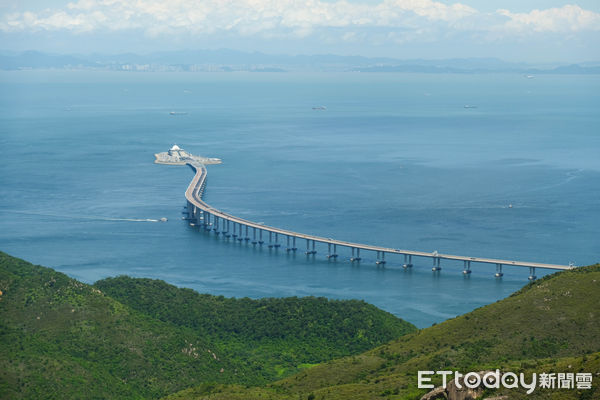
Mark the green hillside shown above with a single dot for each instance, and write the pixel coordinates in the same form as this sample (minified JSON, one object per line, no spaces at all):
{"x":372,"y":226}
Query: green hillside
{"x":542,"y":325}
{"x":307,"y":330}
{"x":60,"y":338}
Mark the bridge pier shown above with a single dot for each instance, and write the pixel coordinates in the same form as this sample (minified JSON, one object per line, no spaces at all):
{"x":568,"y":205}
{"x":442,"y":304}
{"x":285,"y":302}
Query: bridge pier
{"x":216,"y":225}
{"x":240,"y":238}
{"x":260,"y":239}
{"x":206,"y":220}
{"x":188,"y":209}
{"x":294,"y":248}
{"x":234,"y":235}
{"x":270,"y":239}
{"x":499,"y":272}
{"x":329,"y":253}
{"x":357,"y":257}
{"x":436,"y":264}
{"x":407,"y":261}
{"x":466,"y":267}
{"x":226,"y":233}
{"x":247,"y":238}
{"x":313,"y":251}
{"x":276,"y":244}
{"x":532,"y":276}
{"x":254,"y":236}
{"x":382,"y":260}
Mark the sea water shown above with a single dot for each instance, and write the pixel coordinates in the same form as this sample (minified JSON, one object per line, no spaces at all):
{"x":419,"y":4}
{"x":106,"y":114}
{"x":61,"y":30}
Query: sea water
{"x":394,"y":160}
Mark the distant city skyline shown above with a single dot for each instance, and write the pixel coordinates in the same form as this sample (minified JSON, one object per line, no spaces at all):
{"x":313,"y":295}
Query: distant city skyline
{"x":530,"y":31}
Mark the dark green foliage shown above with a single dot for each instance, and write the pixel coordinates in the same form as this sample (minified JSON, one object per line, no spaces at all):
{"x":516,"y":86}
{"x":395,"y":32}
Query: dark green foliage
{"x":60,"y":338}
{"x":307,"y":329}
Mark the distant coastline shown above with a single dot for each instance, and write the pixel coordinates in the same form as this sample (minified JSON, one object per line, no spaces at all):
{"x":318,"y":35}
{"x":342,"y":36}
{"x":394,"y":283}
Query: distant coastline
{"x":237,"y":61}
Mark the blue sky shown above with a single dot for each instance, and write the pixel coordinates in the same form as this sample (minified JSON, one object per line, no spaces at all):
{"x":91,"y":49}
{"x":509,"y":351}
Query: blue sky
{"x":526,"y":30}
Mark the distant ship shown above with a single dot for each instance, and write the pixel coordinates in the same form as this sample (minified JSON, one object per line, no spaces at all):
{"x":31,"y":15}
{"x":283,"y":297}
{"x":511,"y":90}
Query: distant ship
{"x":319,"y":108}
{"x":177,"y":113}
{"x":470,"y":106}
{"x":529,"y":76}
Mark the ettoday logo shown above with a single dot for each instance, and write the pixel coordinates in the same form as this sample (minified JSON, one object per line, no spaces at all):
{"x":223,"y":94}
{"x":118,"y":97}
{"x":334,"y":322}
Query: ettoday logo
{"x":509,"y":380}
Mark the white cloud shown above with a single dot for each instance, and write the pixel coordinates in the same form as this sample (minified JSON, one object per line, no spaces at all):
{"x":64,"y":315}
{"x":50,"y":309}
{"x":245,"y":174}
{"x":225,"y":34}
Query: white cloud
{"x":569,"y":18}
{"x":405,"y":19}
{"x":242,"y":16}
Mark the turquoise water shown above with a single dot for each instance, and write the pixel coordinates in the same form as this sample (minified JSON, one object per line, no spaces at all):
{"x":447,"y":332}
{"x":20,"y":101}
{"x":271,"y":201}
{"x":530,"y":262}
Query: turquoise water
{"x":395,"y":160}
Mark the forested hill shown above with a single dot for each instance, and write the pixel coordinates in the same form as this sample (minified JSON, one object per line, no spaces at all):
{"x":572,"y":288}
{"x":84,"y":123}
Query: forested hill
{"x":551,"y":325}
{"x":138,"y":338}
{"x":340,"y":326}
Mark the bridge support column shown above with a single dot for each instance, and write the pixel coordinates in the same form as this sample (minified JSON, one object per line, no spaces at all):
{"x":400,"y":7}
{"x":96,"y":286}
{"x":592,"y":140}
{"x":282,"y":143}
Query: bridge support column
{"x":382,"y":260}
{"x":227,"y":234}
{"x":234,"y":230}
{"x":466,"y":267}
{"x":436,"y":264}
{"x":206,"y":220}
{"x":499,"y":272}
{"x":288,"y":248}
{"x":329,"y":253}
{"x":276,"y":244}
{"x":260,"y":239}
{"x":254,"y":236}
{"x":355,"y":257}
{"x":407,"y":261}
{"x":240,"y":238}
{"x":189,"y":209}
{"x":247,"y":238}
{"x":308,"y":251}
{"x":294,"y":248}
{"x":532,"y":276}
{"x":270,"y":239}
{"x":216,"y":225}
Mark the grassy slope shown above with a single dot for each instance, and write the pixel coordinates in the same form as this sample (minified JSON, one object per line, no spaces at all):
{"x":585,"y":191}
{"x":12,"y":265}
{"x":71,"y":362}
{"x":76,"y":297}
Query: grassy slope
{"x":60,"y":338}
{"x":554,"y":317}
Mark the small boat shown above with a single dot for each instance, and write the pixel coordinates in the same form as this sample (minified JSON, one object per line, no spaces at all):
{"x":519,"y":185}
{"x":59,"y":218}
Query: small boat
{"x":319,"y":108}
{"x":177,"y":113}
{"x":470,"y":106}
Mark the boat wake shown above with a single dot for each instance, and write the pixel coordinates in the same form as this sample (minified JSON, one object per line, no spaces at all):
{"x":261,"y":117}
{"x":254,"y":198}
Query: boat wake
{"x":86,"y":217}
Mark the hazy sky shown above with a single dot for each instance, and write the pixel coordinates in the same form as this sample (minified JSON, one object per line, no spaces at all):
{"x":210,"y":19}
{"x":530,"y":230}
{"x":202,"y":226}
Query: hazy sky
{"x":516,"y":30}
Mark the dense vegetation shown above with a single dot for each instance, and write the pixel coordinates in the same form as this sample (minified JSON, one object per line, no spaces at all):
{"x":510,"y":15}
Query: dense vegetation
{"x":307,"y":330}
{"x":549,"y":325}
{"x":60,"y":338}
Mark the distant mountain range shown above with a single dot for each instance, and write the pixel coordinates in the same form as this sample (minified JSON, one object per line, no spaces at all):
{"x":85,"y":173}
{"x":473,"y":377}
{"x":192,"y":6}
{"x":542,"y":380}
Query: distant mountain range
{"x":233,"y":60}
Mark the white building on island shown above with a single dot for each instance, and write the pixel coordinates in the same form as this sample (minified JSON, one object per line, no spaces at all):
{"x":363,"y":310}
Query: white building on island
{"x":176,"y":155}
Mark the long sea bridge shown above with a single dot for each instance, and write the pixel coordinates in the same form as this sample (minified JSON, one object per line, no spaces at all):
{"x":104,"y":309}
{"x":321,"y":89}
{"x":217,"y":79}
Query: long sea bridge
{"x":221,"y":223}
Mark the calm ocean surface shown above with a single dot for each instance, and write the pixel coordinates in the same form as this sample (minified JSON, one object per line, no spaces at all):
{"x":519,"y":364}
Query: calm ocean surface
{"x":394,"y":160}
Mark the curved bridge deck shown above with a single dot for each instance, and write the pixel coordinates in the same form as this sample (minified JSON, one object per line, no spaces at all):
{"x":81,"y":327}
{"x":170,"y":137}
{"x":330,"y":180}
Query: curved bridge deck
{"x":239,"y":228}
